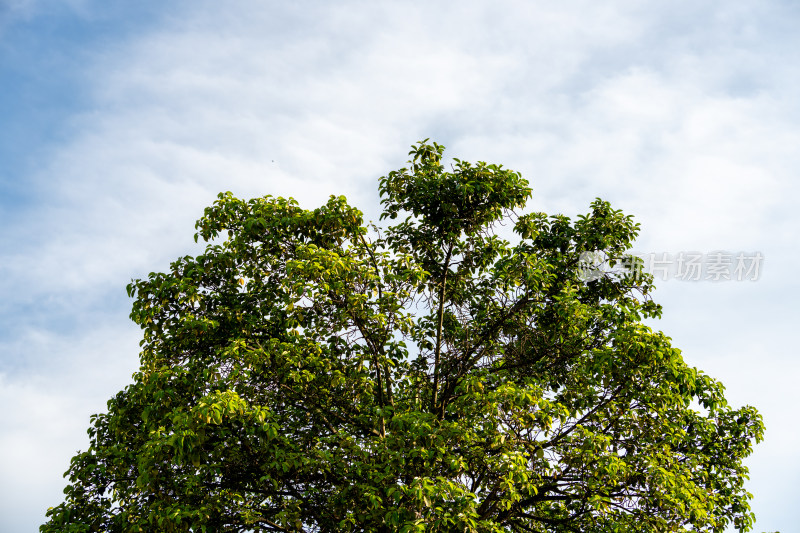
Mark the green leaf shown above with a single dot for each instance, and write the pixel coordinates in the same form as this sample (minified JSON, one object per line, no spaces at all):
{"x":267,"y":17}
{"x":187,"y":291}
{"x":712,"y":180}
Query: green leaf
{"x":310,"y":372}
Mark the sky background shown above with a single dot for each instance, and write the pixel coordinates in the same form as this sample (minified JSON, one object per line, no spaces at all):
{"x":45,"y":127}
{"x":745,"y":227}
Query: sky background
{"x":121,"y":121}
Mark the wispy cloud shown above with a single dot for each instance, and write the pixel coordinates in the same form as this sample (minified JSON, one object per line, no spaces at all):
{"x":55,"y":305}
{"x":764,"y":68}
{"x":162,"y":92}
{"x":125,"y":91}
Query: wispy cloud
{"x":682,"y":114}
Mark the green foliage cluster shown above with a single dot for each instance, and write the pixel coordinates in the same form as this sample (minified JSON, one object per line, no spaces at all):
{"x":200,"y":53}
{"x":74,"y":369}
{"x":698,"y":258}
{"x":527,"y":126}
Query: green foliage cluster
{"x":308,"y":372}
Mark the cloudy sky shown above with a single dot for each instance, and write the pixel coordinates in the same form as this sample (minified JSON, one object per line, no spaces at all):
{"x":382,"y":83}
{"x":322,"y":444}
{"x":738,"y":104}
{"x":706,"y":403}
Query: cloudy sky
{"x":121,"y":121}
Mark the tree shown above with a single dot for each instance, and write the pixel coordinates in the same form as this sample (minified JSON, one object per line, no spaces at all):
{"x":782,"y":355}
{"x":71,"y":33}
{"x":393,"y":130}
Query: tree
{"x":313,"y":373}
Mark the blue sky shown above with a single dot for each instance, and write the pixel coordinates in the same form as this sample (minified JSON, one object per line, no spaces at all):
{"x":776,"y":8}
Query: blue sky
{"x":121,"y":121}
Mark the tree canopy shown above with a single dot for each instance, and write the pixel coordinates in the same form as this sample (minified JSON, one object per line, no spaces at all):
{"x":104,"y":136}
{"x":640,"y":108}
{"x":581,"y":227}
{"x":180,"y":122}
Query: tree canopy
{"x":310,"y":372}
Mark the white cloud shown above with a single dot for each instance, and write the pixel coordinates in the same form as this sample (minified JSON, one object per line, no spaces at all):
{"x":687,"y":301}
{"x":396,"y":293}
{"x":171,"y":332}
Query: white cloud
{"x":682,"y":115}
{"x":46,"y":410}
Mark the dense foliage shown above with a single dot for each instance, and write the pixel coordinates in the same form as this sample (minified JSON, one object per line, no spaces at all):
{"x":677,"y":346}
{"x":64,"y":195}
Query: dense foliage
{"x":309,"y":372}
